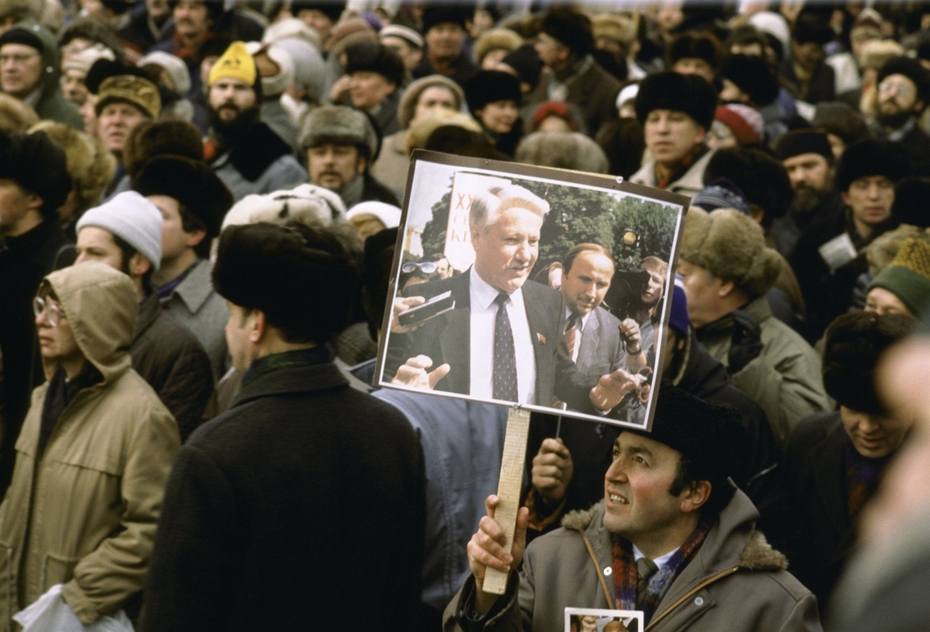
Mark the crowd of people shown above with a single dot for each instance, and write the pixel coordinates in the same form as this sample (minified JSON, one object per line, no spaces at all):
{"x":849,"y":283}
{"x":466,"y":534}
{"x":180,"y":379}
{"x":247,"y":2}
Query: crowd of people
{"x":199,"y":209}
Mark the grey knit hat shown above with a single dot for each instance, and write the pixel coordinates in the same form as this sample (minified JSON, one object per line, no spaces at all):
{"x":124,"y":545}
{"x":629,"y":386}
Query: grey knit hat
{"x":339,"y":125}
{"x":133,"y":219}
{"x":408,"y":103}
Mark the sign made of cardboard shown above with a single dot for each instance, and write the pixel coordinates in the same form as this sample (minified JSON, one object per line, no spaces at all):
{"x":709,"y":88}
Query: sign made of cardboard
{"x":482,"y":242}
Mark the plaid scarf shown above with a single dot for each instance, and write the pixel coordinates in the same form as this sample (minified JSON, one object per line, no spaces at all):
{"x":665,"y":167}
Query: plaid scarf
{"x":287,"y":360}
{"x":625,"y":574}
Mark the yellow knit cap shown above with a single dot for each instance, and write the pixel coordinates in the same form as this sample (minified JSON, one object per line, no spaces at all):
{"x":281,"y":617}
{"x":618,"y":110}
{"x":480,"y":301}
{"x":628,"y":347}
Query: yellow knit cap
{"x":914,"y":255}
{"x":236,"y":63}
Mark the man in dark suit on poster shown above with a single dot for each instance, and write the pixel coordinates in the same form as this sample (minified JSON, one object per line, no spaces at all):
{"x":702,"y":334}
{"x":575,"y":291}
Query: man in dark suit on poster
{"x":504,"y":337}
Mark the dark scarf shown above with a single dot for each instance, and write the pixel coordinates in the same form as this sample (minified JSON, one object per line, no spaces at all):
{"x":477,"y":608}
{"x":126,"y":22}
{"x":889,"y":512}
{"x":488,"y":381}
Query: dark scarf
{"x":253,"y":151}
{"x":287,"y":360}
{"x":860,"y":478}
{"x":60,"y":393}
{"x":625,"y":574}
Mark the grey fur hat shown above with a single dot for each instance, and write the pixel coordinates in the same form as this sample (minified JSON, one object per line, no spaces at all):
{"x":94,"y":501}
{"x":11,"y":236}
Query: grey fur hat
{"x":731,"y":246}
{"x":340,"y":125}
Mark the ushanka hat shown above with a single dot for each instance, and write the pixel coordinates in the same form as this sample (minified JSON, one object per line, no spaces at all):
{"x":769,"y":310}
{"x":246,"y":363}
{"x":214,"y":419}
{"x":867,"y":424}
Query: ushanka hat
{"x":870,"y":158}
{"x":731,"y":246}
{"x":569,"y":27}
{"x":908,"y":276}
{"x":751,"y":75}
{"x":307,"y":204}
{"x":910,"y":68}
{"x":709,"y":435}
{"x":669,"y":90}
{"x":301,"y":277}
{"x":192,"y":183}
{"x":488,"y":86}
{"x":854,"y":343}
{"x":804,"y":141}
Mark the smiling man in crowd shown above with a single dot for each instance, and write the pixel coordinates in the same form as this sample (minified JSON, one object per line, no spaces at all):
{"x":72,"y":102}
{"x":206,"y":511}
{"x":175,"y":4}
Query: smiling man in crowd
{"x":672,"y":538}
{"x":835,"y":459}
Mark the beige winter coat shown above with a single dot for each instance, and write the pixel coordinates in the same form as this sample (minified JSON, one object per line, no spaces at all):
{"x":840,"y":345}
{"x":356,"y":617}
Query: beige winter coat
{"x":84,"y":512}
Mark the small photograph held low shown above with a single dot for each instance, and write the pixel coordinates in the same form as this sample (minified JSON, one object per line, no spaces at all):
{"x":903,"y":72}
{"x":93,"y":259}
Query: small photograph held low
{"x":532,"y":287}
{"x":595,"y":620}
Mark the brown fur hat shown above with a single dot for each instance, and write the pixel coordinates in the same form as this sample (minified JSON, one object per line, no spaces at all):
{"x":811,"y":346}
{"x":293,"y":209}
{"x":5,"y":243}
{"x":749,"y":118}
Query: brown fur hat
{"x":495,"y":39}
{"x":89,"y":163}
{"x":16,"y":115}
{"x":731,"y":246}
{"x":562,"y":150}
{"x":155,"y":138}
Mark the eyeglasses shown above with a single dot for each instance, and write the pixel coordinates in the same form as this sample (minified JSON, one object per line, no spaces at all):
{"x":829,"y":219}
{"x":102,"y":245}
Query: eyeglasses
{"x":425,"y":267}
{"x":899,"y":89}
{"x":52,"y":312}
{"x":18,"y":59}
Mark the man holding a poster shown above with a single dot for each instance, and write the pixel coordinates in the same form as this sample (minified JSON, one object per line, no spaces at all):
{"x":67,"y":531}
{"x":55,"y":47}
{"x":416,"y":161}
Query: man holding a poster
{"x":672,"y":538}
{"x":490,"y":333}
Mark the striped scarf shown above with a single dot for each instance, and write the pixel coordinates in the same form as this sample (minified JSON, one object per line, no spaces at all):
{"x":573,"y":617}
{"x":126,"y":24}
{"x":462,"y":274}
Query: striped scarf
{"x":625,"y":575}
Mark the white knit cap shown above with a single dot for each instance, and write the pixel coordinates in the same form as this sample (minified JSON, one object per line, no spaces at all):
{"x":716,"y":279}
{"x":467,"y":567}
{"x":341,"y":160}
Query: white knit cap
{"x":174,"y":66}
{"x":292,"y":28}
{"x":275,"y":85}
{"x":309,"y":67}
{"x":387,"y":213}
{"x":83,"y":60}
{"x":133,"y":219}
{"x":307,"y":203}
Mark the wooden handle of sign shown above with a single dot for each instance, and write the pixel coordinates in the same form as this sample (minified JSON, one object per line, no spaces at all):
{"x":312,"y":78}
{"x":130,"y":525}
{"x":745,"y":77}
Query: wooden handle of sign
{"x":509,"y":488}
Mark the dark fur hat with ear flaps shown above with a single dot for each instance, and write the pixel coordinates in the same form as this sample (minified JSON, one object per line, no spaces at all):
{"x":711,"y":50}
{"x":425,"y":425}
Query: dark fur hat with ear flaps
{"x":854,"y":343}
{"x":731,"y":246}
{"x":868,"y":158}
{"x":192,"y":183}
{"x":670,"y":90}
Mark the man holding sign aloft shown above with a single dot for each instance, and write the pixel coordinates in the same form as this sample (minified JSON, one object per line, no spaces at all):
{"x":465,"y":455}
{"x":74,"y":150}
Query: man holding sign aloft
{"x":672,"y":538}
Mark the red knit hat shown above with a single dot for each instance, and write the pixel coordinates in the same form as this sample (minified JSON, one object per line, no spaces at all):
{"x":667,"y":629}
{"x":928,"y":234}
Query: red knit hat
{"x":744,"y":121}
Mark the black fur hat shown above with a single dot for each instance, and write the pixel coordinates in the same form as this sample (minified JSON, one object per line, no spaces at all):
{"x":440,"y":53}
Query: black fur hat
{"x":301,"y":277}
{"x":192,"y":183}
{"x":440,"y":13}
{"x":669,"y":90}
{"x":869,"y":158}
{"x":698,"y":45}
{"x":913,"y":70}
{"x":570,"y":28}
{"x":708,"y":434}
{"x":751,"y":74}
{"x":854,"y":343}
{"x":488,"y":86}
{"x":763,"y":179}
{"x":375,"y":57}
{"x":37,"y":164}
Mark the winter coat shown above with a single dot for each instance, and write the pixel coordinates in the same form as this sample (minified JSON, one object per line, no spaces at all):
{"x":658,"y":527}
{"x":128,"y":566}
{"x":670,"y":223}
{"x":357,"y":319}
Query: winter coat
{"x":277,"y":509}
{"x":83,"y":512}
{"x":171,"y":359}
{"x":784,"y":379}
{"x":590,"y":88}
{"x":196,"y":305}
{"x":51,"y":104}
{"x":393,"y":163}
{"x":690,"y":183}
{"x":260,"y":162}
{"x":736,"y":581}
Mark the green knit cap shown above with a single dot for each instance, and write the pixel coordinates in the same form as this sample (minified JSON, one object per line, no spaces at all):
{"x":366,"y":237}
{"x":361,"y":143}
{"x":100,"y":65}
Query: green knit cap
{"x":908,"y":276}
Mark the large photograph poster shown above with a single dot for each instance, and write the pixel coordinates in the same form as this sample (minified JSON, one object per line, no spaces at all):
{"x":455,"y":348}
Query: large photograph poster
{"x":529,"y":286}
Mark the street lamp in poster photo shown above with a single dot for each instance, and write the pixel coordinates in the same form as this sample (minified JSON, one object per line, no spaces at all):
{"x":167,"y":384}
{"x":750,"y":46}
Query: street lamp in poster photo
{"x":523,"y":285}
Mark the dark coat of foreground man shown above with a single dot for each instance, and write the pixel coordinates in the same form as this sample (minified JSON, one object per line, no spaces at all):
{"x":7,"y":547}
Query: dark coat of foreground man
{"x":304,"y":502}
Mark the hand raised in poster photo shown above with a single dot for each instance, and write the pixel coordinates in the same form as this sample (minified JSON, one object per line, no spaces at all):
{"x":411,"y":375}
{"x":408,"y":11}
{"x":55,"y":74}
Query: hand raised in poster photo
{"x":573,"y":335}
